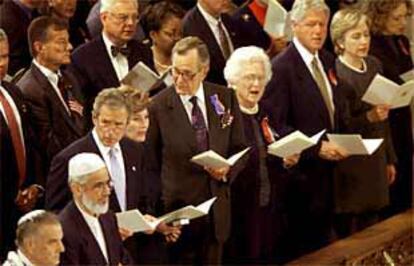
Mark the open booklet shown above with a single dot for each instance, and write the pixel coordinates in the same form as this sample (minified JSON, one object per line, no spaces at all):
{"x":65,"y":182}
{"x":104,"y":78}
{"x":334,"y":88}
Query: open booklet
{"x":144,"y":78}
{"x":293,"y":143}
{"x":214,"y":160}
{"x":384,"y":91}
{"x":354,"y":144}
{"x":277,"y":21}
{"x":134,"y":221}
{"x":407,"y":76}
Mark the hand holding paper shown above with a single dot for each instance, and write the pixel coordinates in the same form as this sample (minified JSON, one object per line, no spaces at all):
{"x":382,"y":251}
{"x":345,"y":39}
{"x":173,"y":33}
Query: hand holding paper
{"x":144,"y":78}
{"x":211,"y":159}
{"x":293,"y":143}
{"x":354,"y":144}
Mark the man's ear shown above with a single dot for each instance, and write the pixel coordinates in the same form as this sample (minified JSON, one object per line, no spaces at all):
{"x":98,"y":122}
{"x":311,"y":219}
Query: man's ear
{"x":37,"y":47}
{"x":76,"y":189}
{"x":204,"y":70}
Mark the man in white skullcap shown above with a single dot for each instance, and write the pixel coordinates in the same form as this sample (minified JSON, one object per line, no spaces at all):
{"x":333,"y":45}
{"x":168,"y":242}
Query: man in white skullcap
{"x":91,"y":234}
{"x":38,"y":239}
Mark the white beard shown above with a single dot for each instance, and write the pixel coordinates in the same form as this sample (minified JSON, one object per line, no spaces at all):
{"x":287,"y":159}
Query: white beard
{"x":95,"y":208}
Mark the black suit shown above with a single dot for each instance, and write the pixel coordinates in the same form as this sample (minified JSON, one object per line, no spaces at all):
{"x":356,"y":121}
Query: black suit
{"x":14,"y":21}
{"x":194,"y":24}
{"x":58,"y":194}
{"x":54,"y":126}
{"x":294,"y":102}
{"x":94,"y":70}
{"x":9,"y":175}
{"x":81,"y":247}
{"x":172,"y":143}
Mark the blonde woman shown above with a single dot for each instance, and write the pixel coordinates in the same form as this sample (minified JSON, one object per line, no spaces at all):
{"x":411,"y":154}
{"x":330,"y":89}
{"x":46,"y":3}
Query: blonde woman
{"x":360,"y":182}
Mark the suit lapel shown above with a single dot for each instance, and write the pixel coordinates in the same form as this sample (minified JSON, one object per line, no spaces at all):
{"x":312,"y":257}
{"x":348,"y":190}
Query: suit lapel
{"x":91,"y":244}
{"x":106,"y":69}
{"x":50,"y":91}
{"x":214,"y":124}
{"x":131,"y":176}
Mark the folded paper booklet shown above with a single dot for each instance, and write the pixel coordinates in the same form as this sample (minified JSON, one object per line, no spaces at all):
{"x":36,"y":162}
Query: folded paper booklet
{"x":354,"y":144}
{"x":144,"y":78}
{"x":407,"y":76}
{"x":134,"y":221}
{"x":384,"y":91}
{"x":214,"y":160}
{"x":294,"y":143}
{"x":277,"y":22}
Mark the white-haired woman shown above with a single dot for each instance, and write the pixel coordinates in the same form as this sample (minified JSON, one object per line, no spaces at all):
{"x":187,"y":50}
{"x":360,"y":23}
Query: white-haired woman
{"x":360,"y":182}
{"x":257,"y":193}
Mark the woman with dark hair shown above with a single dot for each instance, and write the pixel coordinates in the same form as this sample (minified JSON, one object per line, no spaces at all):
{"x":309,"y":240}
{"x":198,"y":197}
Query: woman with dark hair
{"x":161,"y":22}
{"x":392,"y":48}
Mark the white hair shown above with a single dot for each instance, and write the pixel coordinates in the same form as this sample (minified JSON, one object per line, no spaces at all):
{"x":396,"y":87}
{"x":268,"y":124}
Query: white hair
{"x":300,"y":7}
{"x":107,"y":5}
{"x":245,"y":55}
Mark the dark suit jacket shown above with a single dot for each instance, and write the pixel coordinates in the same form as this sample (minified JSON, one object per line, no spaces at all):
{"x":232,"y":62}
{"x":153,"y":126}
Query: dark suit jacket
{"x":15,"y":22}
{"x":172,"y":143}
{"x":57,"y":189}
{"x":9,"y":172}
{"x":194,"y":24}
{"x":93,"y":68}
{"x":294,"y":102}
{"x":54,"y":127}
{"x":81,"y":247}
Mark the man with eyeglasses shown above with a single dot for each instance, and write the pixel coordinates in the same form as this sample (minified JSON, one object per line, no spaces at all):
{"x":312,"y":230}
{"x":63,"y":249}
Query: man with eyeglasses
{"x":38,"y":239}
{"x":104,"y":61}
{"x":124,"y":160}
{"x":188,"y":118}
{"x":91,"y":234}
{"x":52,"y":93}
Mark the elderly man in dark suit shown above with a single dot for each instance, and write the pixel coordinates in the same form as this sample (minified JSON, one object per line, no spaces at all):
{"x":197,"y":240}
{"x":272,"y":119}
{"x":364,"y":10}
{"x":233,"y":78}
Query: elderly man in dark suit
{"x":18,"y":192}
{"x":188,"y":118}
{"x":218,"y":30}
{"x":104,"y":61}
{"x":51,"y":92}
{"x":301,"y":96}
{"x":123,"y":158}
{"x":91,"y":233}
{"x":15,"y":17}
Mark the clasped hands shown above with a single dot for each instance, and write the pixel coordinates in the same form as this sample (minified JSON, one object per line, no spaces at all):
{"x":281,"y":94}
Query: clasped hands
{"x":26,"y":198}
{"x":218,"y":173}
{"x":332,"y":152}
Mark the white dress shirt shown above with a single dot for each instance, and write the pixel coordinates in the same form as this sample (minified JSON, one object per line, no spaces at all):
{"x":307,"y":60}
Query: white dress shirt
{"x":15,"y":112}
{"x":96,"y":229}
{"x":119,"y":183}
{"x":53,"y":79}
{"x":307,"y":57}
{"x":212,"y":22}
{"x":119,"y":62}
{"x":201,"y":101}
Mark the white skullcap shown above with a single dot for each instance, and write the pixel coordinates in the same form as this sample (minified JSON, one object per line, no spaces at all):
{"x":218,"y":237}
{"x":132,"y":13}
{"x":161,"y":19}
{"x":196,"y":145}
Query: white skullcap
{"x":30,"y":216}
{"x":84,"y":163}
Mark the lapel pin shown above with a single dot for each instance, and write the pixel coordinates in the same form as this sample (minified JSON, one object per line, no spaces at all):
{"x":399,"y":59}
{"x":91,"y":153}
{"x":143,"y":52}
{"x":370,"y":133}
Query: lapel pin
{"x":133,"y":168}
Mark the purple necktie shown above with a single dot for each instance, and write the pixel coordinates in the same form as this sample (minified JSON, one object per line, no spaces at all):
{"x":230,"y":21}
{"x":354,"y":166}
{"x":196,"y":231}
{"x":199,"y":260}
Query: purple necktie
{"x":199,"y":125}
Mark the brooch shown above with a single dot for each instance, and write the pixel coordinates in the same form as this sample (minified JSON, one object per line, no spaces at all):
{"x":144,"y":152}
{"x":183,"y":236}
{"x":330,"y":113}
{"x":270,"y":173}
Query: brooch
{"x":268,"y":133}
{"x":332,"y":77}
{"x":226,"y":118}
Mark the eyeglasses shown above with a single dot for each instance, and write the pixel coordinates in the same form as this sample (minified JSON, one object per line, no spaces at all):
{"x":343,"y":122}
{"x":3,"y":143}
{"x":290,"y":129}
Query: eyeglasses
{"x":123,"y":18}
{"x":186,"y":75}
{"x":251,"y":78}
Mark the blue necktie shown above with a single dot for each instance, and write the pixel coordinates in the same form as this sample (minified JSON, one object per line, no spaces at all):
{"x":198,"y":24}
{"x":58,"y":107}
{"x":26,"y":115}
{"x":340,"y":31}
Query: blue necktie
{"x":118,"y":179}
{"x":199,"y":125}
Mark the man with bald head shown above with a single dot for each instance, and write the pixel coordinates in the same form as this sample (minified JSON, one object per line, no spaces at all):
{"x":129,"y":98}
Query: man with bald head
{"x":104,"y":61}
{"x":38,"y":239}
{"x":91,"y":234}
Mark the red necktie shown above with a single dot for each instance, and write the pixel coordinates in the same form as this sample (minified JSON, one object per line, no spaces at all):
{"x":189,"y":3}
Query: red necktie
{"x":16,"y":138}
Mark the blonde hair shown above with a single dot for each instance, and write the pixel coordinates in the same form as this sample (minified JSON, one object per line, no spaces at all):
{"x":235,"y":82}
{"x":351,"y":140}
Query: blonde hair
{"x":343,"y":21}
{"x":379,"y":12}
{"x":137,"y":99}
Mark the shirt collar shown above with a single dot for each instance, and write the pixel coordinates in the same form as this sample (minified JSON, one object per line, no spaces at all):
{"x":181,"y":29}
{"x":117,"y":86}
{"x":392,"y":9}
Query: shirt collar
{"x":199,"y":94}
{"x":304,"y":53}
{"x":23,"y":258}
{"x":102,"y":148}
{"x":51,"y":75}
{"x":364,"y":65}
{"x":108,"y":43}
{"x":209,"y":18}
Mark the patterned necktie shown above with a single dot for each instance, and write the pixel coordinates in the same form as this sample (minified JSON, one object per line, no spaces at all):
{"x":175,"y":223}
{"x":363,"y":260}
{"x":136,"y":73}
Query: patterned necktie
{"x":320,"y":81}
{"x":224,"y":42}
{"x":199,"y":125}
{"x":16,"y":137}
{"x":118,"y":179}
